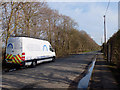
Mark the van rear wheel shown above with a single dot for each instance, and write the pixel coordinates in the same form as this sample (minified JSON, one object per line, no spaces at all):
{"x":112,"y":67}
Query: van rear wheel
{"x":33,"y":64}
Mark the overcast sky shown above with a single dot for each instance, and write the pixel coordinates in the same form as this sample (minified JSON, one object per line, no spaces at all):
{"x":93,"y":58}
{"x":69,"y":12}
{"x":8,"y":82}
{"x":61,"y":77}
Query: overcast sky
{"x":89,"y":16}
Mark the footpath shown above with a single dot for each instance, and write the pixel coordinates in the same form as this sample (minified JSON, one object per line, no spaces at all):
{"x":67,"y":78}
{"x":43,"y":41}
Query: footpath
{"x":102,"y":77}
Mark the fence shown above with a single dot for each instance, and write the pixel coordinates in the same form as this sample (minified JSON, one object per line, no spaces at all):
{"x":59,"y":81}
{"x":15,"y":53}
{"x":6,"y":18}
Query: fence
{"x":112,"y":49}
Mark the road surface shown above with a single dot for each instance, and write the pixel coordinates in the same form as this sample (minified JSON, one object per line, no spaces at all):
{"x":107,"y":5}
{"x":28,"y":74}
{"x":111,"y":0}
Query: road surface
{"x":59,"y":74}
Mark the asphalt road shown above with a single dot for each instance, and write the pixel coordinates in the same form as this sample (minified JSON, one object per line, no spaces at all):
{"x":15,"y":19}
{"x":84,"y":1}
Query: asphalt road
{"x":58,"y":74}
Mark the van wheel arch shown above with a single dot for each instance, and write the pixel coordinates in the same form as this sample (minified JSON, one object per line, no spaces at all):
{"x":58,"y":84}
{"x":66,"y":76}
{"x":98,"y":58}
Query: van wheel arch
{"x":53,"y":59}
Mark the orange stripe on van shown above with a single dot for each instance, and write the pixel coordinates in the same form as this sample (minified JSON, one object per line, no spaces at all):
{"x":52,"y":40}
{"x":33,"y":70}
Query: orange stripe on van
{"x":18,"y":59}
{"x":14,"y":59}
{"x":6,"y":56}
{"x":9,"y":56}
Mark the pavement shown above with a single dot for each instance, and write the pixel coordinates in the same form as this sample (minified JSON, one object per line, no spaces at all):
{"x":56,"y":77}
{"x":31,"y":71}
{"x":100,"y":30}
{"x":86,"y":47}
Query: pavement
{"x":102,"y":77}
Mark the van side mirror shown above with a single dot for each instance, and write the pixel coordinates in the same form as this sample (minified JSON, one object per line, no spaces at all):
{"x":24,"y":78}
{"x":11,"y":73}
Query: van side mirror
{"x":53,"y":50}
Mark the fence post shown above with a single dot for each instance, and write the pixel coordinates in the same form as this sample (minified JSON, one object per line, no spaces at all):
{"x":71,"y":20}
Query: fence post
{"x":108,"y":52}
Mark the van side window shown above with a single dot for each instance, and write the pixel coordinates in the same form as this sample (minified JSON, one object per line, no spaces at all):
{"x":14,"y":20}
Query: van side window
{"x":51,"y":49}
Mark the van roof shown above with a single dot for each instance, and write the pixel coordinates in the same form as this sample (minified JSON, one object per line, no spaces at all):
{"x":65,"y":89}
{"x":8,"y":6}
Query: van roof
{"x":26,"y":37}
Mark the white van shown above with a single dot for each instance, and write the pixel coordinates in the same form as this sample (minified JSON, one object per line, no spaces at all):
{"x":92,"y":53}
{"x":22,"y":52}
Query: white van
{"x":28,"y":51}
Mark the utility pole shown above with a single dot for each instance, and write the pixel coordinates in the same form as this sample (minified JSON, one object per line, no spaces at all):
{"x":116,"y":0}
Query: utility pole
{"x":106,"y":45}
{"x":104,"y":29}
{"x":106,"y":48}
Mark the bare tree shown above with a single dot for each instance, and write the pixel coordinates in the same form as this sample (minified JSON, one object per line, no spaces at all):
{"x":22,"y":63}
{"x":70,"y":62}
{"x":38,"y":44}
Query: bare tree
{"x":36,"y":19}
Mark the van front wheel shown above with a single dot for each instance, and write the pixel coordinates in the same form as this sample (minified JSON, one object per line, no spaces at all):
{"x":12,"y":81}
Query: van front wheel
{"x":33,"y":64}
{"x":53,"y":59}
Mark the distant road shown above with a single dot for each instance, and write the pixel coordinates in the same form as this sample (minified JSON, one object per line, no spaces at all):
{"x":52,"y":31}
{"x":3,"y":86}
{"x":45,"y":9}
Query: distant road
{"x":58,"y":74}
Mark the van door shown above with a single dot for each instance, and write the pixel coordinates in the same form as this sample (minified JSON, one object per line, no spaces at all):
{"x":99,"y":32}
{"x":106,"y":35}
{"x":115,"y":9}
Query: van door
{"x":13,"y":51}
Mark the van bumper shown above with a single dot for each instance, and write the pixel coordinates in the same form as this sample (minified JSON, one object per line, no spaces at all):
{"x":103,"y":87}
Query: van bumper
{"x":15,"y":64}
